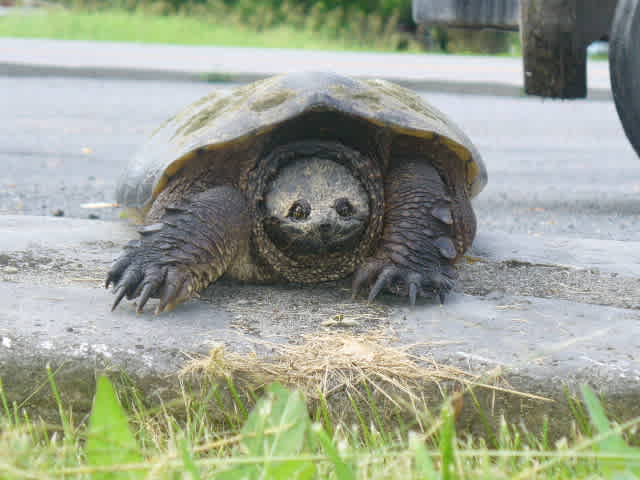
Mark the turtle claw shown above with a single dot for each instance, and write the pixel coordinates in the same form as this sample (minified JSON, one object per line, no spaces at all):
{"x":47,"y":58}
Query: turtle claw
{"x":401,"y":281}
{"x":413,"y":292}
{"x":112,"y":277}
{"x":359,"y":279}
{"x":382,"y":281}
{"x":145,"y":295}
{"x":120,"y":292}
{"x":135,"y":275}
{"x":124,"y":285}
{"x":173,"y":291}
{"x":441,"y":297}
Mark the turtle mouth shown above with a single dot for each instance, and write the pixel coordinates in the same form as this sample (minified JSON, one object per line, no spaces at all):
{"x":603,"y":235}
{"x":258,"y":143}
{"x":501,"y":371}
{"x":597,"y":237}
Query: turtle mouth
{"x":326,"y":238}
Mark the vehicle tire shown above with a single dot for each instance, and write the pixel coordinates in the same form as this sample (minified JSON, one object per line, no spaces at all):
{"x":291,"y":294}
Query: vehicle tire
{"x":624,"y":51}
{"x":554,"y":55}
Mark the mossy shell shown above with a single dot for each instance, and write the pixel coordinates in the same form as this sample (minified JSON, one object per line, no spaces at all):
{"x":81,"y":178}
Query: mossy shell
{"x":223,"y":119}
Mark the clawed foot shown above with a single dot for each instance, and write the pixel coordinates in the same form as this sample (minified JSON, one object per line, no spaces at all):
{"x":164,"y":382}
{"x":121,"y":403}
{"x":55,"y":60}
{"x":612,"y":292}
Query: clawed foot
{"x":403,"y":281}
{"x":135,"y":275}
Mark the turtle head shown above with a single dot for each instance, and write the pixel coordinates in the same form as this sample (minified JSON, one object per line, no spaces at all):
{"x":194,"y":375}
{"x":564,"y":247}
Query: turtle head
{"x":315,"y":206}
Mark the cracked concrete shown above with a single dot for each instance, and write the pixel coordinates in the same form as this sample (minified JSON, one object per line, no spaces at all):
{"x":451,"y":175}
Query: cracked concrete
{"x":550,"y":312}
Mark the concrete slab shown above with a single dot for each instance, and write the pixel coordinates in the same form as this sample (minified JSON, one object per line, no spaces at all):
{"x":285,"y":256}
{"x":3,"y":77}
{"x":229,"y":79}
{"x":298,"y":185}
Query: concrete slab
{"x":585,"y":329}
{"x":583,"y":253}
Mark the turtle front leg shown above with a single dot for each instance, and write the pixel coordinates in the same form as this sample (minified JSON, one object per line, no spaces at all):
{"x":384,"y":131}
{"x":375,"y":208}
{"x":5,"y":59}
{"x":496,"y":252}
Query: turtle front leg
{"x":192,"y":245}
{"x":427,"y":227}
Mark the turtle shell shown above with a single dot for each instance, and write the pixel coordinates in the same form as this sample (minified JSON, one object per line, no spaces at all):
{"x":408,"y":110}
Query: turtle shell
{"x":221,"y":120}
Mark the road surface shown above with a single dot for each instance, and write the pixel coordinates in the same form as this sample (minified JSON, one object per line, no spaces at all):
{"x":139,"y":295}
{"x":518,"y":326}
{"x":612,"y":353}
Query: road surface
{"x":555,"y":168}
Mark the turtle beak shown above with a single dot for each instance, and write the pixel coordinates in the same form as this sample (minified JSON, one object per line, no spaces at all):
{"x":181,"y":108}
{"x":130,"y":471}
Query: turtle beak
{"x":327,"y":227}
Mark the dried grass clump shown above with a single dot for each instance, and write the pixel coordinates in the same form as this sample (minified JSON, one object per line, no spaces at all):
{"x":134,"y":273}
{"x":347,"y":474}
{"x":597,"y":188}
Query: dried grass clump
{"x":326,"y":363}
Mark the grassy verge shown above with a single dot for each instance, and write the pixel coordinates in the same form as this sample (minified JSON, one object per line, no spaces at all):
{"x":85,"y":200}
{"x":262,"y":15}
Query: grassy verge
{"x":278,"y":436}
{"x":186,"y":29}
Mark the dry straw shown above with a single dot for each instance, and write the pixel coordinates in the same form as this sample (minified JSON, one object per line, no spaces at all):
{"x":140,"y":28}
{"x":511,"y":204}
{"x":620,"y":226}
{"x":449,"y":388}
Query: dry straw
{"x":327,"y":363}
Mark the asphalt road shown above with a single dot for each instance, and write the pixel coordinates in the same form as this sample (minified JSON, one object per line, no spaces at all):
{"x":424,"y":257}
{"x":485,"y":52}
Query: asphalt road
{"x":555,"y":168}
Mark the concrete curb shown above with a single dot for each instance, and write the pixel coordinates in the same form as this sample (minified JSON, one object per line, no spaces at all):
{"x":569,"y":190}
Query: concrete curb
{"x":441,"y":86}
{"x":497,"y":76}
{"x":470,"y":88}
{"x":55,"y":312}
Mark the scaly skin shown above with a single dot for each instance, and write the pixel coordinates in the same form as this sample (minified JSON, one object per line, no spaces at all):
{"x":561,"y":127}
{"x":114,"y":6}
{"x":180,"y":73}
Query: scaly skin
{"x":191,"y":245}
{"x":427,"y":225}
{"x":425,"y":232}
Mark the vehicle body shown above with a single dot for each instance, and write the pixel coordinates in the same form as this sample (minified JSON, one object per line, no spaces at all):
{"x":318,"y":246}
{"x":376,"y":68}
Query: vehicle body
{"x":555,"y":36}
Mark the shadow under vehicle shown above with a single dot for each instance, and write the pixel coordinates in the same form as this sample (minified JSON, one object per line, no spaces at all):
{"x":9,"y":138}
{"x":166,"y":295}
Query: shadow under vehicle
{"x":555,"y":36}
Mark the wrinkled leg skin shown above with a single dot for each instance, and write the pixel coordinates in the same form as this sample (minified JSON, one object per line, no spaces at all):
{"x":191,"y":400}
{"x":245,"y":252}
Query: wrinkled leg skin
{"x":427,"y":227}
{"x":191,"y":245}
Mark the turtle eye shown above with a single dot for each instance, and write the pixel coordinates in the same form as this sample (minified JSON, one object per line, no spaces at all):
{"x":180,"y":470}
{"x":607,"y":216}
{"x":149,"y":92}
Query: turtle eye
{"x":299,"y":210}
{"x":344,"y":207}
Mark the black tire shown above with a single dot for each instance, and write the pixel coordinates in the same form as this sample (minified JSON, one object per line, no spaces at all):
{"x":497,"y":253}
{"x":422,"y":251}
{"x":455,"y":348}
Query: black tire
{"x":625,"y":67}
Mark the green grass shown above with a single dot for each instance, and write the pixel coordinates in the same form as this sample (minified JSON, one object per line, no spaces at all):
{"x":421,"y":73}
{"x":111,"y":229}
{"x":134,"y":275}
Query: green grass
{"x":278,"y":438}
{"x":208,"y":29}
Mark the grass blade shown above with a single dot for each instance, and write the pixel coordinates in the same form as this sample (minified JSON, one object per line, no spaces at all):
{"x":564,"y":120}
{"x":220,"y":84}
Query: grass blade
{"x":4,"y":401}
{"x":613,"y":444}
{"x":187,"y":458}
{"x":424,"y":465}
{"x":343,"y":470}
{"x":276,"y":427}
{"x":64,"y":419}
{"x":447,"y":439}
{"x":110,"y":441}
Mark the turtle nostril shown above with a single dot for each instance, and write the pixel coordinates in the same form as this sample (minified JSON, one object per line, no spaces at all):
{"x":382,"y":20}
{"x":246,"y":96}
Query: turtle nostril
{"x":325,"y":228}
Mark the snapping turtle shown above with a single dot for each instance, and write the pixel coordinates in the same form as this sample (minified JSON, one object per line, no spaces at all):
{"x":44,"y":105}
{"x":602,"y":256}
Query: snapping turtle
{"x":304,"y":178}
